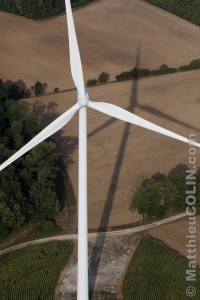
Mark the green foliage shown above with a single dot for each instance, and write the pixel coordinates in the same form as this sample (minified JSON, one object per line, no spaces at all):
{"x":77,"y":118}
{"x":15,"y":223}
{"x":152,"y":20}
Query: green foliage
{"x":189,"y":10}
{"x":137,"y":73}
{"x":162,"y":194}
{"x":157,"y":272}
{"x":32,"y":273}
{"x":27,"y":93}
{"x":56,"y":90}
{"x":175,"y":189}
{"x":195,"y":64}
{"x":48,"y":227}
{"x":3,"y":91}
{"x":164,"y":69}
{"x":103,"y":77}
{"x":147,"y":199}
{"x":13,"y":91}
{"x":92,"y":82}
{"x":37,"y":9}
{"x":184,"y":68}
{"x":29,"y":187}
{"x":38,"y":88}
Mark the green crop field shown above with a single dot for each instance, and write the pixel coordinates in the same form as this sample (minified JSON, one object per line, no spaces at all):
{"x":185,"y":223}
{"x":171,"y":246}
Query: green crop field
{"x":186,"y":9}
{"x":157,"y":272}
{"x":33,"y":272}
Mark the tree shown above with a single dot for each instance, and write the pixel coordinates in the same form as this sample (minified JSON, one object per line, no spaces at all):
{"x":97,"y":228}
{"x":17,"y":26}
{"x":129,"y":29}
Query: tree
{"x":103,"y":77}
{"x":147,"y":199}
{"x":3,"y":91}
{"x":163,"y":68}
{"x":175,"y":189}
{"x":13,"y":92}
{"x":38,"y":88}
{"x":28,"y":187}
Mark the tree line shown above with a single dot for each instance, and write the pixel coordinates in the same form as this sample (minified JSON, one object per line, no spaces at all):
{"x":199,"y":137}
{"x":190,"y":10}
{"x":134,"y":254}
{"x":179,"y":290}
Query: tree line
{"x":164,"y":194}
{"x":33,"y":187}
{"x":137,"y":73}
{"x":18,"y":89}
{"x":37,"y":9}
{"x":186,"y":9}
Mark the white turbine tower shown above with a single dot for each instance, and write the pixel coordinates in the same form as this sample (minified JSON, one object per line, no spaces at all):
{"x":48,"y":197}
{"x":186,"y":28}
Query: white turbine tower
{"x":83,"y":102}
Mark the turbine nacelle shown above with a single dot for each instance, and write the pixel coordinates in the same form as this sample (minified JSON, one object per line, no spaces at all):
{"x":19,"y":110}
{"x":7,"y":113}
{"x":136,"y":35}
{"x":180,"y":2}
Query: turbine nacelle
{"x":83,"y":101}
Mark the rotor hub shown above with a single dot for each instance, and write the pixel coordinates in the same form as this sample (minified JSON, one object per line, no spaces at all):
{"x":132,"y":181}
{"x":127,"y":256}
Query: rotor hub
{"x":83,"y":101}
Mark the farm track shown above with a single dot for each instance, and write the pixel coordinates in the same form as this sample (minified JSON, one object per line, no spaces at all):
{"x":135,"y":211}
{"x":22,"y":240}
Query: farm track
{"x":94,"y":235}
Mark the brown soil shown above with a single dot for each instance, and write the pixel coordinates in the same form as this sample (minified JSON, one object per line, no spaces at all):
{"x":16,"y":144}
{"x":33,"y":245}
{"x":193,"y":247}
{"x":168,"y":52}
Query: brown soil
{"x":121,"y":157}
{"x":174,"y":234}
{"x":111,"y":35}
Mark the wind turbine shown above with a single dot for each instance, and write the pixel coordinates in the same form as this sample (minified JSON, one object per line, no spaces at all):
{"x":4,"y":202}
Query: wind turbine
{"x":83,"y":102}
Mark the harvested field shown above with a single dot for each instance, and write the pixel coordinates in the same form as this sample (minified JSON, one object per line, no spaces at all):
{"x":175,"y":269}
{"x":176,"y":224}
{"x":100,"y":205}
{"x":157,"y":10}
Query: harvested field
{"x":121,"y":157}
{"x":111,"y":34}
{"x":174,"y":234}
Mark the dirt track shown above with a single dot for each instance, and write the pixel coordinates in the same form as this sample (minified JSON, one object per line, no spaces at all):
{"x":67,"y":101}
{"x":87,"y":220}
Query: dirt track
{"x":97,"y":235}
{"x":121,"y":157}
{"x":111,"y":33}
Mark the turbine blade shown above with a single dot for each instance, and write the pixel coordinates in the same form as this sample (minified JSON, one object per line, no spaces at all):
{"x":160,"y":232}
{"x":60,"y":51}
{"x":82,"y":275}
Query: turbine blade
{"x":75,"y":59}
{"x":124,"y":115}
{"x":43,"y":135}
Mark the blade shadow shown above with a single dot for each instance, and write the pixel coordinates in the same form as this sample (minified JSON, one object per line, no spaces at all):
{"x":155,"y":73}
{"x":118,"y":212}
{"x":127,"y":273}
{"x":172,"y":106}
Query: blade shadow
{"x":46,"y":113}
{"x":67,"y":144}
{"x":95,"y":258}
{"x":156,"y":112}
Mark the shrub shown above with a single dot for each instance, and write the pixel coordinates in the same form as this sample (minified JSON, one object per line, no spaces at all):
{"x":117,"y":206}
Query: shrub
{"x":124,"y":76}
{"x":56,"y":90}
{"x":184,"y":68}
{"x":103,"y":77}
{"x":92,"y":82}
{"x":47,"y":227}
{"x":155,"y":72}
{"x":163,"y":68}
{"x":27,"y":93}
{"x":195,"y":64}
{"x":171,"y":70}
{"x":137,"y":73}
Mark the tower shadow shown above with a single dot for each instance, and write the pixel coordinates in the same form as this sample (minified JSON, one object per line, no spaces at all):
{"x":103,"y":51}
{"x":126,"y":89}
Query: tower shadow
{"x":100,"y":240}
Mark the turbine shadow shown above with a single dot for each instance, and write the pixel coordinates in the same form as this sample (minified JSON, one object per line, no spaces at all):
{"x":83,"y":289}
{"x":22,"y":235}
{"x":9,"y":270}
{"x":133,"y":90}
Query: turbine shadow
{"x":46,"y":113}
{"x":158,"y":113}
{"x":95,"y":258}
